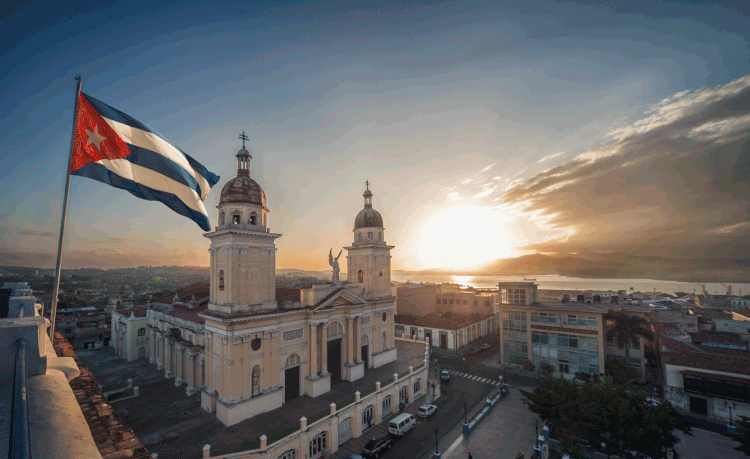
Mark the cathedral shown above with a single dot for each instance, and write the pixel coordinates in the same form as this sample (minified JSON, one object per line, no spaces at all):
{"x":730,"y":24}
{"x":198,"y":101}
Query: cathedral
{"x":258,"y":345}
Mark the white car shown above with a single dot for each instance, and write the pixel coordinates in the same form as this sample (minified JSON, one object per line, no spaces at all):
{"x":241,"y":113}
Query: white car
{"x":425,"y":411}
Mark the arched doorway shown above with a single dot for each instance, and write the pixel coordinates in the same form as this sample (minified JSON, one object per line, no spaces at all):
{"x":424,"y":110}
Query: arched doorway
{"x":335,"y":333}
{"x":141,"y":352}
{"x":291,"y":377}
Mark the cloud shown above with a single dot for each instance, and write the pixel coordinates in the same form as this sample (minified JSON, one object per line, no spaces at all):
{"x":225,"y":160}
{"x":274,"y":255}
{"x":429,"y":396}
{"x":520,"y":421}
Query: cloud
{"x":672,"y":184}
{"x":550,"y":157}
{"x":487,"y":168}
{"x":33,"y":232}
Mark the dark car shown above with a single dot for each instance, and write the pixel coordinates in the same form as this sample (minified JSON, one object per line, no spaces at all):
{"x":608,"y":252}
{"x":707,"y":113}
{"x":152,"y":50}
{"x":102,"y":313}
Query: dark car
{"x":484,"y":346}
{"x":376,"y":447}
{"x":475,"y":351}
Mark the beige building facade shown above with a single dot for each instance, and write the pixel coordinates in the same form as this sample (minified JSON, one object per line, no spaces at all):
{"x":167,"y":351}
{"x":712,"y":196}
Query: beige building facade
{"x":130,"y":333}
{"x":246,"y":349}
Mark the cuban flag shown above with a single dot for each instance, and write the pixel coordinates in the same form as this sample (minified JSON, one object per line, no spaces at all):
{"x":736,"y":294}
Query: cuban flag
{"x":117,"y":149}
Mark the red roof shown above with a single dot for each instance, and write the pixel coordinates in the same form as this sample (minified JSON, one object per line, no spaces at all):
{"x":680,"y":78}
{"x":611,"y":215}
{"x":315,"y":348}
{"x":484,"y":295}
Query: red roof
{"x":191,"y":315}
{"x":717,"y":337}
{"x":201,"y":290}
{"x":448,"y":321}
{"x":138,"y":311}
{"x":711,"y":361}
{"x":743,"y":312}
{"x":675,"y":346}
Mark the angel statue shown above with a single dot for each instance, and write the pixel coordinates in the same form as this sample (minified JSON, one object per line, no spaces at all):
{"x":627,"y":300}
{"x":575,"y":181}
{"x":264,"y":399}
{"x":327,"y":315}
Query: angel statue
{"x":334,"y":262}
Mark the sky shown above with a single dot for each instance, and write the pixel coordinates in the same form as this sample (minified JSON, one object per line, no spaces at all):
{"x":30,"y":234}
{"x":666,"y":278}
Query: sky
{"x":486,"y":129}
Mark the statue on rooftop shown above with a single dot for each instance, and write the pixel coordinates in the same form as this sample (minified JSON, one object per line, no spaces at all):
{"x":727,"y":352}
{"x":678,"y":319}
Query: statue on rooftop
{"x":334,"y":262}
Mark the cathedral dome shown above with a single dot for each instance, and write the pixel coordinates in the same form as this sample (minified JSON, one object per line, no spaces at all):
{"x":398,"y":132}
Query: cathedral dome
{"x":368,"y":217}
{"x":243,"y":189}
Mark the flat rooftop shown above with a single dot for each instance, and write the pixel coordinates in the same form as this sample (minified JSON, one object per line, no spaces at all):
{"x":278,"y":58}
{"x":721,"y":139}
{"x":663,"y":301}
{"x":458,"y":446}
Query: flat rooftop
{"x":168,"y":421}
{"x":602,"y":308}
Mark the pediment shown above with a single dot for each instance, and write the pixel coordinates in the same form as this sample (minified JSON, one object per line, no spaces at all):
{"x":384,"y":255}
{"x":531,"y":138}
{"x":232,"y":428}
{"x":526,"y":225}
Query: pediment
{"x":340,"y":298}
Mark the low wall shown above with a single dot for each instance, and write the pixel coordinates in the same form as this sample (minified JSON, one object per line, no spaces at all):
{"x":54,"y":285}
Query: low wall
{"x":300,"y":439}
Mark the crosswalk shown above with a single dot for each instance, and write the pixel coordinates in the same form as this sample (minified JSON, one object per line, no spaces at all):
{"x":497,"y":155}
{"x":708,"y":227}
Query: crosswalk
{"x":475,"y":378}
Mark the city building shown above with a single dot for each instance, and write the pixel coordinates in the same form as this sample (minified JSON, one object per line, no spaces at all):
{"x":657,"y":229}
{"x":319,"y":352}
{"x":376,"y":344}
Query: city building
{"x":704,"y":380}
{"x":130,"y":329}
{"x":253,"y":346}
{"x":566,"y":337}
{"x":448,"y":331}
{"x":416,"y":299}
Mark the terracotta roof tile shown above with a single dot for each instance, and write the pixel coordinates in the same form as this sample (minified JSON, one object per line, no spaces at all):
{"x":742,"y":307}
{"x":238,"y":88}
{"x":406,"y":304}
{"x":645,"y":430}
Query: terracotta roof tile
{"x":449,"y":321}
{"x":112,"y":437}
{"x":712,"y":361}
{"x":201,"y":290}
{"x":743,"y":312}
{"x":287,"y":295}
{"x":138,"y":311}
{"x":717,"y":337}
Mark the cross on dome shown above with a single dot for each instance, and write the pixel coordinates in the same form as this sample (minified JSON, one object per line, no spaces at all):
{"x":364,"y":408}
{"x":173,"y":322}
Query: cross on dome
{"x":243,"y":137}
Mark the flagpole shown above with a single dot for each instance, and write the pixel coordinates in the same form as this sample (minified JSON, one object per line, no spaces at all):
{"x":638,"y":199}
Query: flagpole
{"x":55,"y":290}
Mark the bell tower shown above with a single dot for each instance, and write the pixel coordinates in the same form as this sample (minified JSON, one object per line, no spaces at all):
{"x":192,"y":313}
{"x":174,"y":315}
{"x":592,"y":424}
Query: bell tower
{"x":369,"y":257}
{"x":243,"y":249}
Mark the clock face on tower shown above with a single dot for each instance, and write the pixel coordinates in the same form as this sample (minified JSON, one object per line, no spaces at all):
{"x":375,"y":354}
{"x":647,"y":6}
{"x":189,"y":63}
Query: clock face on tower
{"x":254,"y":274}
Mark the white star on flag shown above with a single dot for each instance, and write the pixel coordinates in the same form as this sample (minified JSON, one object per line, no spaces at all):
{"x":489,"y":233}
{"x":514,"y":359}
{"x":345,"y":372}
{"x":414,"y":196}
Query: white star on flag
{"x":95,"y":137}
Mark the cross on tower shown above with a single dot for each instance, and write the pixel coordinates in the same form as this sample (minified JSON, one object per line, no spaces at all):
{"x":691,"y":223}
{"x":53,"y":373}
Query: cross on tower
{"x":367,"y":184}
{"x":243,"y":137}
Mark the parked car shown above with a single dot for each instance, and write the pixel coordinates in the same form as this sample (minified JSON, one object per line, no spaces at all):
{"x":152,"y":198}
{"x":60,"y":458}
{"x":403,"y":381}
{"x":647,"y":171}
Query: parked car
{"x":425,"y":411}
{"x":401,"y":424}
{"x":475,"y":351}
{"x":376,"y":447}
{"x":445,"y":376}
{"x":484,"y":346}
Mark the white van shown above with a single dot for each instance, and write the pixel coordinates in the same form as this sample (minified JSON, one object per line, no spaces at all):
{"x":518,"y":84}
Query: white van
{"x":401,"y":424}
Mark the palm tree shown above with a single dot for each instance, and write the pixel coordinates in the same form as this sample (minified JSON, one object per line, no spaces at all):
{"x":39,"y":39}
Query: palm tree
{"x":627,"y":328}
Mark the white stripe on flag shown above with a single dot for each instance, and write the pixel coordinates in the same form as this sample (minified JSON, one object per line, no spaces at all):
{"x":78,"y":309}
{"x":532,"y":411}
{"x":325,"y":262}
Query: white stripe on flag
{"x":156,"y":181}
{"x":150,"y":141}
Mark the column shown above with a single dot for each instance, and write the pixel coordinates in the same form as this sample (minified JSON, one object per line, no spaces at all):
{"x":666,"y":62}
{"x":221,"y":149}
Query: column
{"x":324,"y":348}
{"x":358,"y":339}
{"x":152,"y":346}
{"x":178,"y":365}
{"x":168,"y":359}
{"x":350,"y":340}
{"x":190,"y":372}
{"x":159,"y":352}
{"x":391,"y":330}
{"x":313,"y":350}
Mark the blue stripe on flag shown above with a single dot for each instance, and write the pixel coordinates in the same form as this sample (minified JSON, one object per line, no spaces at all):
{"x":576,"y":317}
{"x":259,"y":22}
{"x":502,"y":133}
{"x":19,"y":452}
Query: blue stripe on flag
{"x":210,"y":177}
{"x":98,"y":172}
{"x":163,"y":165}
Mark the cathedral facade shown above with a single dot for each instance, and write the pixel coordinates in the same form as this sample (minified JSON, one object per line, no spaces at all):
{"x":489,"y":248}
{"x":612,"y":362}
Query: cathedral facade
{"x":258,"y":350}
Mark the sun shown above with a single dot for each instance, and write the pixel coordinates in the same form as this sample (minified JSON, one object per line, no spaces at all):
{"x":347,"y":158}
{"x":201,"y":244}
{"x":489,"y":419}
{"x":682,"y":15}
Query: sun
{"x":462,"y":237}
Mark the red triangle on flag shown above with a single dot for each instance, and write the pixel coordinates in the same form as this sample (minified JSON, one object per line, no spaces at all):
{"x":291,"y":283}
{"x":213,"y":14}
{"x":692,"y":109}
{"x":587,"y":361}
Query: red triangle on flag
{"x":94,"y":139}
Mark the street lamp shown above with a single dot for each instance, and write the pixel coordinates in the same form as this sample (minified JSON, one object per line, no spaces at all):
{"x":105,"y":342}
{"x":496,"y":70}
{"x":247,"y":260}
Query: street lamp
{"x":465,"y":403}
{"x":730,"y":406}
{"x":536,"y":429}
{"x":436,"y":429}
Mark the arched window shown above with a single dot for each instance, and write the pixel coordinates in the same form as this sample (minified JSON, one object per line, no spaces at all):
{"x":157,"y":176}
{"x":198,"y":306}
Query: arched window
{"x":380,"y":236}
{"x":292,"y":361}
{"x":236,"y":217}
{"x":386,"y":405}
{"x":360,"y":277}
{"x":317,"y":444}
{"x":359,"y":237}
{"x":256,"y":380}
{"x":335,"y":329}
{"x":289,"y":454}
{"x":369,"y":235}
{"x":367,"y":417}
{"x":221,"y":279}
{"x":141,"y":332}
{"x":385,"y":344}
{"x":253,"y":218}
{"x":221,"y":218}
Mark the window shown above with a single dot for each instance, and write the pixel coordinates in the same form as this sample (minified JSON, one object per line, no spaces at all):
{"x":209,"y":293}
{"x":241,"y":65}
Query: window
{"x":369,"y":236}
{"x":253,"y":218}
{"x":142,"y":332}
{"x":221,"y":280}
{"x":221,"y":218}
{"x":367,"y":417}
{"x":635,"y":344}
{"x":417,"y":387}
{"x":359,"y":237}
{"x":386,"y":405}
{"x":380,"y":236}
{"x":512,"y":296}
{"x":290,"y":454}
{"x":360,"y":277}
{"x":292,"y":361}
{"x":236,"y":218}
{"x":318,"y":443}
{"x":385,"y":337}
{"x":381,"y":273}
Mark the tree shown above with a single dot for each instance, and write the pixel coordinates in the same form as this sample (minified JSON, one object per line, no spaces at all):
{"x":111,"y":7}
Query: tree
{"x":626,"y":329}
{"x":743,"y":435}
